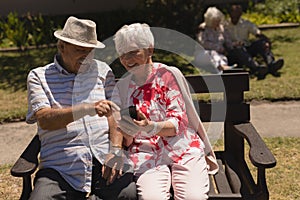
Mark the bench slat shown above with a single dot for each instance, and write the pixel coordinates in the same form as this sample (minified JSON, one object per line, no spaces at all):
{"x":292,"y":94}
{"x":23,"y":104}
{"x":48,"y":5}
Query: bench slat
{"x":233,"y":179}
{"x":221,"y":179}
{"x":237,"y":82}
{"x":212,"y":185}
{"x":235,"y":112}
{"x":222,"y":196}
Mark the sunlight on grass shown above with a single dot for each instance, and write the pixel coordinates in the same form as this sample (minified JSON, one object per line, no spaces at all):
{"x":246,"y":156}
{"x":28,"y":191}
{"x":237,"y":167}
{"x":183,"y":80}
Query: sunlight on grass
{"x":10,"y":187}
{"x":13,"y":105}
{"x":286,"y":44}
{"x":14,"y":68}
{"x":283,"y":180}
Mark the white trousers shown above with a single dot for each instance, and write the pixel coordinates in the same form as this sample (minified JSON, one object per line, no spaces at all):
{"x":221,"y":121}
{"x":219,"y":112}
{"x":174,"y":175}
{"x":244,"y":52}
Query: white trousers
{"x":189,"y":181}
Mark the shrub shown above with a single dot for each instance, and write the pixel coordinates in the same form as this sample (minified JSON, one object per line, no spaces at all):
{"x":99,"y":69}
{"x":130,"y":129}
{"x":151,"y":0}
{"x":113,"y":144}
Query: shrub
{"x":14,"y":30}
{"x":274,"y":11}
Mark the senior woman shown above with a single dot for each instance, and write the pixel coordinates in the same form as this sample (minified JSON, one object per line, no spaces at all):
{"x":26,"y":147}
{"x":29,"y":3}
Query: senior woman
{"x":214,"y":40}
{"x":163,"y":145}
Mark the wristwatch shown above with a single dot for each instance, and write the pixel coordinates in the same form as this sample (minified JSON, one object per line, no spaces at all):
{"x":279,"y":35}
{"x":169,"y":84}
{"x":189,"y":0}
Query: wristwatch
{"x":117,"y":151}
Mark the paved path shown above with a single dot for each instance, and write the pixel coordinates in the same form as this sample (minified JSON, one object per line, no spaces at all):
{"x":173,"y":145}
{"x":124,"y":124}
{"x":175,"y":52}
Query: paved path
{"x":270,"y":120}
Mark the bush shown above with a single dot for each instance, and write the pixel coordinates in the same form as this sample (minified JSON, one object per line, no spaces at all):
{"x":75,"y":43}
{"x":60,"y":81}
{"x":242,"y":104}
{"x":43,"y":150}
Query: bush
{"x":23,"y":31}
{"x":181,"y":15}
{"x":274,"y":11}
{"x":14,"y":30}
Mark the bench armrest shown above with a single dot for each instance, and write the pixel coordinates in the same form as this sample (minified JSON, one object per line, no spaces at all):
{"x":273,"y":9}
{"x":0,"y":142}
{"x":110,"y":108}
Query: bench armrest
{"x":259,"y":153}
{"x":28,"y":161}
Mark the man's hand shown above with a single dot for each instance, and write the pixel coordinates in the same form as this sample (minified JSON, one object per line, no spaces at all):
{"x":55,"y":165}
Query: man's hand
{"x":238,"y":44}
{"x":112,"y":167}
{"x":105,"y":108}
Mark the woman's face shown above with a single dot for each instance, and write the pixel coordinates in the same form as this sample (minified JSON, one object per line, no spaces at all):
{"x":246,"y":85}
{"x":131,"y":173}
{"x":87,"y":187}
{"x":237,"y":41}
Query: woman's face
{"x":215,"y":23}
{"x":137,"y":60}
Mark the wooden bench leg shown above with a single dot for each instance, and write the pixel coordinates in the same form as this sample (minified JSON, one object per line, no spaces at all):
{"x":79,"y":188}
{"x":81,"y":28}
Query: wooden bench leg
{"x":262,"y":184}
{"x":27,"y":188}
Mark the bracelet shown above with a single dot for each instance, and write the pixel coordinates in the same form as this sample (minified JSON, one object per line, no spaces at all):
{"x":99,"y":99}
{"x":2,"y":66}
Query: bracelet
{"x":117,"y":146}
{"x":154,"y":130}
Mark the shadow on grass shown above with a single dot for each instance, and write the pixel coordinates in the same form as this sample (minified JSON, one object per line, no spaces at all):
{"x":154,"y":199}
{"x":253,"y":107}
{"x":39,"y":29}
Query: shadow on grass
{"x":279,"y":38}
{"x":14,"y":66}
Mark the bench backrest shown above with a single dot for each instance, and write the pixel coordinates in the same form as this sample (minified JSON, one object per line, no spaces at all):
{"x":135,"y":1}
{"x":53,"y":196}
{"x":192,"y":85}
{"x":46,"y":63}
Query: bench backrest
{"x":231,"y":107}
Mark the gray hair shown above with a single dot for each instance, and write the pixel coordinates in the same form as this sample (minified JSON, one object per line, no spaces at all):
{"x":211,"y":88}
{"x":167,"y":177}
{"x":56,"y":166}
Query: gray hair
{"x":211,"y":14}
{"x":132,"y":37}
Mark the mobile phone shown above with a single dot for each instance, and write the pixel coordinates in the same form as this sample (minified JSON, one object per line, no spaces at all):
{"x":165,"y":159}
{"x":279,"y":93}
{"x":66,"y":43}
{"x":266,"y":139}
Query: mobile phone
{"x":130,"y":111}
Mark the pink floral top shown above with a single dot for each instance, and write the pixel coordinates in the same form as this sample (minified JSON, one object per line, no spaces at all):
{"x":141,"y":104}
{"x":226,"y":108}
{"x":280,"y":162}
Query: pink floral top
{"x":160,"y":99}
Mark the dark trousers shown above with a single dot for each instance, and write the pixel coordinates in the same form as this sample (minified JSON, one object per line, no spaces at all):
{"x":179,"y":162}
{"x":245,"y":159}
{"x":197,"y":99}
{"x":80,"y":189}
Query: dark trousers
{"x":49,"y":184}
{"x":244,"y":56}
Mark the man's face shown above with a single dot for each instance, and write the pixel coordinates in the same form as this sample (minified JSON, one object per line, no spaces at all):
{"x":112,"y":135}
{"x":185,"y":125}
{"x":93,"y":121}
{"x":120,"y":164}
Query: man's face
{"x":235,"y":13}
{"x":74,"y":56}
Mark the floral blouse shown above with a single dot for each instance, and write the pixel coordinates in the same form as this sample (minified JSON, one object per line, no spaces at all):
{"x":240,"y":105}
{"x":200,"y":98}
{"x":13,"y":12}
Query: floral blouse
{"x":160,"y":99}
{"x":213,"y":39}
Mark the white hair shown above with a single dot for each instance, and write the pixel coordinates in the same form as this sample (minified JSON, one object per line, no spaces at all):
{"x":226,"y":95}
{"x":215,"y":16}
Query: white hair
{"x":212,"y":14}
{"x":132,"y":37}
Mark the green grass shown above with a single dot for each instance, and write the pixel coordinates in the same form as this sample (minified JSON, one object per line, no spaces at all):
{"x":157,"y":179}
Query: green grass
{"x":14,"y":68}
{"x":283,"y":180}
{"x":286,"y":44}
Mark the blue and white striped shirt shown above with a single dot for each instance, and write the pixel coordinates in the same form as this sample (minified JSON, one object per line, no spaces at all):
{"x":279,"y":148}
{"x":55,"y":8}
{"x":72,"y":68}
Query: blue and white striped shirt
{"x":70,"y":150}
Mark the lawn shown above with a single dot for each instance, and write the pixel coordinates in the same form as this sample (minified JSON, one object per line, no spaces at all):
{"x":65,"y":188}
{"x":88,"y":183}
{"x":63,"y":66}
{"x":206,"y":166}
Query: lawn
{"x":14,"y":68}
{"x":286,"y":44}
{"x":283,"y":180}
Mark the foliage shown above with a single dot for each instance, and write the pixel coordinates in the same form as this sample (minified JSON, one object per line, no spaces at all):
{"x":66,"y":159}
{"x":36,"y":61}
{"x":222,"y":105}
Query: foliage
{"x":274,"y":11}
{"x":181,"y":15}
{"x":14,"y":29}
{"x":42,"y":29}
{"x":24,"y":31}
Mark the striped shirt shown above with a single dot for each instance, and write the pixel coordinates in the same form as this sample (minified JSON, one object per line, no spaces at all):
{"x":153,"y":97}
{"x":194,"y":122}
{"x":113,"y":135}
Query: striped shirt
{"x":70,"y":150}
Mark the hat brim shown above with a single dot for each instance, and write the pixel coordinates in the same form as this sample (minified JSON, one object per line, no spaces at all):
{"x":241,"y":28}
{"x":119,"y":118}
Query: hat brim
{"x":58,"y":35}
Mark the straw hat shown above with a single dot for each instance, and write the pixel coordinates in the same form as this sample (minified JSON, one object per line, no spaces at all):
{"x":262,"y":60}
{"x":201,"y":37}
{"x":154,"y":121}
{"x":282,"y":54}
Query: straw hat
{"x":80,"y":32}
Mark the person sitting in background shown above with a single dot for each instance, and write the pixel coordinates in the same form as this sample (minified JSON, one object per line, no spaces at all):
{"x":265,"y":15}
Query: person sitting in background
{"x":166,"y":144}
{"x":214,"y":40}
{"x":70,"y":101}
{"x":244,"y":51}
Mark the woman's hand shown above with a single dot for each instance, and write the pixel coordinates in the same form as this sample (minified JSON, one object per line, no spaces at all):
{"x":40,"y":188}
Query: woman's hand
{"x":112,"y":167}
{"x":132,"y":126}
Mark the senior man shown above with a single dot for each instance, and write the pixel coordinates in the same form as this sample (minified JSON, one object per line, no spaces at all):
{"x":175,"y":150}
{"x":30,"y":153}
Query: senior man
{"x":70,"y":101}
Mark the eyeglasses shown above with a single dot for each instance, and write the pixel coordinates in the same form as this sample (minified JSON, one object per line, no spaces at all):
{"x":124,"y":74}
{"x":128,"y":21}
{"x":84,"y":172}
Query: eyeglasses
{"x":131,"y":54}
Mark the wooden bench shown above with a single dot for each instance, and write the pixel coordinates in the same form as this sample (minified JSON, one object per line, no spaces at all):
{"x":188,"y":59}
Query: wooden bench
{"x":234,"y":179}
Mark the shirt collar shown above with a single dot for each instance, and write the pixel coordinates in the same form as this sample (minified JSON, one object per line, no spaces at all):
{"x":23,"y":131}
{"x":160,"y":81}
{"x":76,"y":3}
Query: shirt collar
{"x":63,"y":71}
{"x":239,"y":22}
{"x":59,"y":67}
